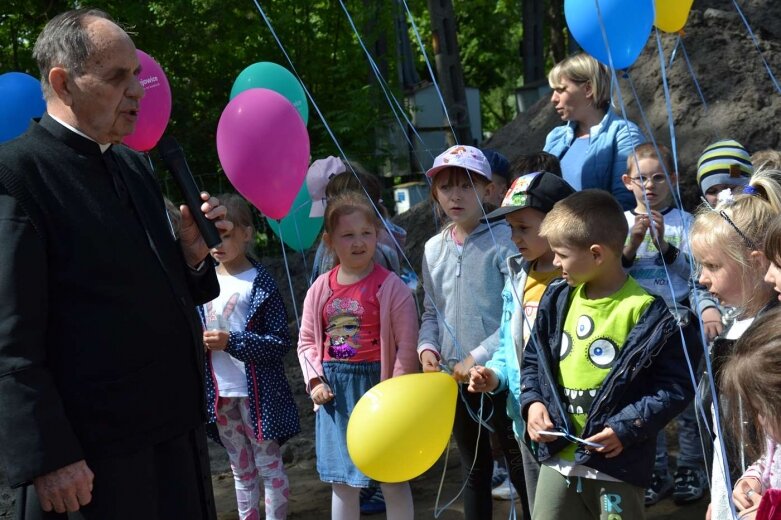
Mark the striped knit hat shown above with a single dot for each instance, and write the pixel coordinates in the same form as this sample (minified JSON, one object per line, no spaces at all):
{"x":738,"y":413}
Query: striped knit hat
{"x":724,"y":162}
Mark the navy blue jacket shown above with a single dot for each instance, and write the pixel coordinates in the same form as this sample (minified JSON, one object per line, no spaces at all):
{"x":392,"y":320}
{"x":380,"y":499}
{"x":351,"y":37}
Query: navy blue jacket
{"x":262,"y":346}
{"x":649,"y":385}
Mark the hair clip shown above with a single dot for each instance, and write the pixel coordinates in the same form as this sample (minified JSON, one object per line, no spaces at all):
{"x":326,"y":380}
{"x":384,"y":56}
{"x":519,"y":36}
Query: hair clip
{"x":750,"y":190}
{"x":750,"y":243}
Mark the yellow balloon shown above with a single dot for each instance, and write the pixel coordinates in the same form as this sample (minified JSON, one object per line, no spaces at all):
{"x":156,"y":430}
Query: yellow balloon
{"x":671,"y":15}
{"x":400,"y":427}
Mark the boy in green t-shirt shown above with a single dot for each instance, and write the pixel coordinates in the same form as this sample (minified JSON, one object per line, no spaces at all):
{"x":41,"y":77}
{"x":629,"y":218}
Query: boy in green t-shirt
{"x":603,"y":372}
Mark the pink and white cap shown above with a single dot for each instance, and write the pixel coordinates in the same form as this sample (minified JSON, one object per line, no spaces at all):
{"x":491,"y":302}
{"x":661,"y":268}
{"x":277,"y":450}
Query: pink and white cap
{"x":318,"y":176}
{"x":461,"y":156}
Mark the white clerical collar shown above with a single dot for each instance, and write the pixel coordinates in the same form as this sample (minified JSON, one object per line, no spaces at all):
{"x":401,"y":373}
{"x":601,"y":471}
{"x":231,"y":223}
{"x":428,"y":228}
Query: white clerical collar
{"x":103,"y":147}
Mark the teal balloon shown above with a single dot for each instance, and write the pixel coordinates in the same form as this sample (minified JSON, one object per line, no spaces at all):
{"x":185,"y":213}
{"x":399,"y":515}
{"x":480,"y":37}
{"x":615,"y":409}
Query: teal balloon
{"x":298,"y":230}
{"x":265,"y":74}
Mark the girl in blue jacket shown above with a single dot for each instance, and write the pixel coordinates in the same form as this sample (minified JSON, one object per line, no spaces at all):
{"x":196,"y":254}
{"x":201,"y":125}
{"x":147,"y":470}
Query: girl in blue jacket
{"x":248,"y":395}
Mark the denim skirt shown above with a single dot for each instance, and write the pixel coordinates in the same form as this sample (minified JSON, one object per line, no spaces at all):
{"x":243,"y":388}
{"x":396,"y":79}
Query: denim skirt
{"x":349,"y":381}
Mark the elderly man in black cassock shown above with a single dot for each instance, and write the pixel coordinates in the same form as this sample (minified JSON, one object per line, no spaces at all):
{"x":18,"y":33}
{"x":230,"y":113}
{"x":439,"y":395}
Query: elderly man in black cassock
{"x":100,"y":345}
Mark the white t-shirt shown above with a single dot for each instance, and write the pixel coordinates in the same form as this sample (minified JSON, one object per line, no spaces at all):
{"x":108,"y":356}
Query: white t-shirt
{"x":229,"y":312}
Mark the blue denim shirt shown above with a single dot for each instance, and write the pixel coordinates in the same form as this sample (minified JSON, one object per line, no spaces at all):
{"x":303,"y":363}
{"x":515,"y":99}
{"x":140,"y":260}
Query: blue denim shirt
{"x":610,"y":143}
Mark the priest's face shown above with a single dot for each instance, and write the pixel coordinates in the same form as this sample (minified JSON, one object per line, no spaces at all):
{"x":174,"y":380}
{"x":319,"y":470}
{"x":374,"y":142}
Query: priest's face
{"x":105,"y":97}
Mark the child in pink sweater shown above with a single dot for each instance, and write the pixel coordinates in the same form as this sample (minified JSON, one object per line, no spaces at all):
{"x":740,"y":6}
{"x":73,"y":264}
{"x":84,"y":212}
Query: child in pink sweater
{"x":359,"y":327}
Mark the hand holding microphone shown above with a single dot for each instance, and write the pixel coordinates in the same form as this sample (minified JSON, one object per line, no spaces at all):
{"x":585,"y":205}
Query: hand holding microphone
{"x":173,"y":157}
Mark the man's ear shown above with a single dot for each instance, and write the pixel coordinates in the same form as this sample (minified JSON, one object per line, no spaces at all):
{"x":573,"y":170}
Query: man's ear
{"x":58,"y":79}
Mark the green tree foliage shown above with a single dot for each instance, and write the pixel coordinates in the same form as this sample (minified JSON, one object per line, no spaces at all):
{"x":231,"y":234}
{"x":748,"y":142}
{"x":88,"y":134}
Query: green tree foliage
{"x":489,"y":40}
{"x":202,"y":46}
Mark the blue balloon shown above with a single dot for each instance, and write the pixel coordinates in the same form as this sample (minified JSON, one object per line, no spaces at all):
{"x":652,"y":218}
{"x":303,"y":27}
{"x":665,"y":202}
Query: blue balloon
{"x":627,"y":24}
{"x":21,"y":100}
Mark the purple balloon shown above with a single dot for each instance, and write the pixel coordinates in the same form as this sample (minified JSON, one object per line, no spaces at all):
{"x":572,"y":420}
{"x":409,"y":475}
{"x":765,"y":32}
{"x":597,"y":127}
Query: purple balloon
{"x":263,"y":147}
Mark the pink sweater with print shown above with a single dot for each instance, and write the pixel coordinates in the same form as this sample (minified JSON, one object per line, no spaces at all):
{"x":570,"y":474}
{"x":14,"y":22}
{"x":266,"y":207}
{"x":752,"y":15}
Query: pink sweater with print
{"x":398,"y":329}
{"x":768,"y":468}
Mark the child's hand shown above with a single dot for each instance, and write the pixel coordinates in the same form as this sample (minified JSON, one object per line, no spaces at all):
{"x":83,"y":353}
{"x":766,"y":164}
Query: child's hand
{"x":482,"y":379}
{"x":461,"y":370}
{"x":537,"y":420}
{"x":321,"y":394}
{"x":657,"y":231}
{"x":429,"y":361}
{"x":637,"y":233}
{"x":711,"y":323}
{"x":747,"y":493}
{"x":611,"y":444}
{"x":215,"y":339}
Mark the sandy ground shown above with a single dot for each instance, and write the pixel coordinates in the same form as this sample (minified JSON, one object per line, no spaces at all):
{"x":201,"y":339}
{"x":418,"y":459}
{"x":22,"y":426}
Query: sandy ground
{"x":311,"y":499}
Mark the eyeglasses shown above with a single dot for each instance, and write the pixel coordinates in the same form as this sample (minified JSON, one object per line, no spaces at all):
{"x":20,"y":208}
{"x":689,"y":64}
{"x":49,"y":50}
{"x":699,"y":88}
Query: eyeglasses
{"x":656,"y":178}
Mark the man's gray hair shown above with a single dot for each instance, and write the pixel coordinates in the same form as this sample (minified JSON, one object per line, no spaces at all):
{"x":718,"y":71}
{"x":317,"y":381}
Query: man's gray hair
{"x":64,"y":42}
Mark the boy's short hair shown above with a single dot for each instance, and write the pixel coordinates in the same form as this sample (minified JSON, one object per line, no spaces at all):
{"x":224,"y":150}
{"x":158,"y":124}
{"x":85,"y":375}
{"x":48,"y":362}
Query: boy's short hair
{"x":648,"y":151}
{"x":586,"y":218}
{"x":535,"y":162}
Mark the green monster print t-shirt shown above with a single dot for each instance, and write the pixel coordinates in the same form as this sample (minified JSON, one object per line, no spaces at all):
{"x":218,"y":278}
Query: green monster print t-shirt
{"x":594,"y":333}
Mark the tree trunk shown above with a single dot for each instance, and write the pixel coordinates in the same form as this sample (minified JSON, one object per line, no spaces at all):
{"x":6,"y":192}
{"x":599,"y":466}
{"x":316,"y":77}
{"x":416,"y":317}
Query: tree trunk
{"x":558,"y":38}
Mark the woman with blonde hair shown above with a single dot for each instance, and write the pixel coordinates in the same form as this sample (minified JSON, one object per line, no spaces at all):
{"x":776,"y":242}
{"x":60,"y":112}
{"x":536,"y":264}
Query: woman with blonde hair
{"x":595,"y":142}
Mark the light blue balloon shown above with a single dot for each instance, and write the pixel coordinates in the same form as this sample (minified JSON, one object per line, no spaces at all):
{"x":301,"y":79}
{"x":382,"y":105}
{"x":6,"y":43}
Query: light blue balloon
{"x":21,"y":100}
{"x":298,"y":230}
{"x":274,"y":77}
{"x":627,"y":24}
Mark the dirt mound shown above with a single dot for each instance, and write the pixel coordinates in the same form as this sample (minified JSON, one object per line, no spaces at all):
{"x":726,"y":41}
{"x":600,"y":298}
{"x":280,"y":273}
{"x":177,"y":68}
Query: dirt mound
{"x":742,"y":102}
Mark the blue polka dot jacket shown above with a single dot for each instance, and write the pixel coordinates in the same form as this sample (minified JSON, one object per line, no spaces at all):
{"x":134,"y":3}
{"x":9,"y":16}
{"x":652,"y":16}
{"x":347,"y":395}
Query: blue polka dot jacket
{"x":262,"y":346}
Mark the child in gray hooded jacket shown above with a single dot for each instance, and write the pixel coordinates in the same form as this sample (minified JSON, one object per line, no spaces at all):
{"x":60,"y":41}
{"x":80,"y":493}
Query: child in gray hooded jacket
{"x":464,"y":271}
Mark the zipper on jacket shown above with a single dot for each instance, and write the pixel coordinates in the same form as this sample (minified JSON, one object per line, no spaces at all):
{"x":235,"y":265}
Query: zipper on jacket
{"x":628,"y":364}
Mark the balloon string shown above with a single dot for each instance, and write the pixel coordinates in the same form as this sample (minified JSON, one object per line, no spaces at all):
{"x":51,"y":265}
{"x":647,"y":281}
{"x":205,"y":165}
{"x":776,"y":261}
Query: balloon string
{"x":693,"y":75}
{"x":289,"y":278}
{"x":674,"y":191}
{"x":303,"y":252}
{"x":756,"y":44}
{"x":328,"y":129}
{"x":430,"y":71}
{"x":437,"y":510}
{"x":717,"y":420}
{"x":394,"y":105}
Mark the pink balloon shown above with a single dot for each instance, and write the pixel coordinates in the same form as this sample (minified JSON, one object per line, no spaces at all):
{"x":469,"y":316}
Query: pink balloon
{"x":155,"y":107}
{"x":263,"y":147}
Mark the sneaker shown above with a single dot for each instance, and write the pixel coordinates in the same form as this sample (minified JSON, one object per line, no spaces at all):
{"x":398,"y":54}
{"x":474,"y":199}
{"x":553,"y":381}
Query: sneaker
{"x":499,"y":476}
{"x":505,"y":491}
{"x":689,"y":485}
{"x":661,"y":486}
{"x":372,"y":501}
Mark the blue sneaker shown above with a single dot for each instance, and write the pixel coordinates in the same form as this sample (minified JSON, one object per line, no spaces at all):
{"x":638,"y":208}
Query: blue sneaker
{"x":689,"y":485}
{"x":499,"y":476}
{"x":372,"y":501}
{"x":661,"y":487}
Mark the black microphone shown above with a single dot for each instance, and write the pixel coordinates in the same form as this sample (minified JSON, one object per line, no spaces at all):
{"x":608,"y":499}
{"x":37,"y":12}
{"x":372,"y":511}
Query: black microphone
{"x":173,"y":157}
